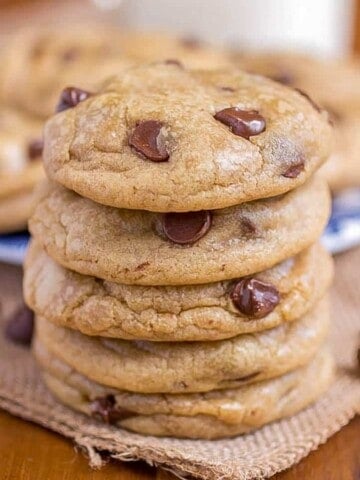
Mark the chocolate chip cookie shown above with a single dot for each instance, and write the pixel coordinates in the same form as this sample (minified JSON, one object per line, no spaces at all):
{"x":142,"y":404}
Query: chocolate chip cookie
{"x":20,"y":167}
{"x":212,"y":311}
{"x":144,"y":248}
{"x":162,"y":138}
{"x":149,"y":367}
{"x":39,"y":63}
{"x":209,"y":415}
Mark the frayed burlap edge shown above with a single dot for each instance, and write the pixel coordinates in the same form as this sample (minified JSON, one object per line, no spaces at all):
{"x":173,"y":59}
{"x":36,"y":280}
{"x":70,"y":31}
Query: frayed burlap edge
{"x":95,"y":440}
{"x":258,"y":455}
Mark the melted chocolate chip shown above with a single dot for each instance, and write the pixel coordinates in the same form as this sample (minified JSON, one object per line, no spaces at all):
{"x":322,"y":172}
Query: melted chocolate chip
{"x":35,"y":148}
{"x":254,"y":298}
{"x":242,"y":122}
{"x":173,"y":61}
{"x":184,"y":228}
{"x":148,"y":140}
{"x":309,"y":99}
{"x":227,"y":89}
{"x":247,"y":226}
{"x":105,"y":409}
{"x":191,"y":42}
{"x":70,"y":97}
{"x":19,"y":328}
{"x":295,"y":170}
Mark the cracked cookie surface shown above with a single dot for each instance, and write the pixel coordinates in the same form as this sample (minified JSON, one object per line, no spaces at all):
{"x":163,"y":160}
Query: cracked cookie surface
{"x":161,"y":367}
{"x":129,"y":246}
{"x":188,"y":313}
{"x":225,"y":138}
{"x":208,"y":415}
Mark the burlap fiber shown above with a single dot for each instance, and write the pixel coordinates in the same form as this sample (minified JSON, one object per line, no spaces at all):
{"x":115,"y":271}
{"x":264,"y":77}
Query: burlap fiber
{"x":254,"y":456}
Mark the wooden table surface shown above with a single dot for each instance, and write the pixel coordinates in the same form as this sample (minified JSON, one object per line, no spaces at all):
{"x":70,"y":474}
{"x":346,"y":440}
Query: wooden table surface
{"x":30,"y":452}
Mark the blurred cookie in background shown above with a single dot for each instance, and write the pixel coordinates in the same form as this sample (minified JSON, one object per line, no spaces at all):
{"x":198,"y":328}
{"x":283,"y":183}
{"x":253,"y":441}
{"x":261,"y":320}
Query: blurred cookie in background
{"x":39,"y":63}
{"x":191,"y":52}
{"x":20,"y":167}
{"x":333,"y":85}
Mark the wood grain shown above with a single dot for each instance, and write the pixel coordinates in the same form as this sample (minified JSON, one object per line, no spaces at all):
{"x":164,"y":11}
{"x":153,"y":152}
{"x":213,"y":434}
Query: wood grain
{"x":29,"y":452}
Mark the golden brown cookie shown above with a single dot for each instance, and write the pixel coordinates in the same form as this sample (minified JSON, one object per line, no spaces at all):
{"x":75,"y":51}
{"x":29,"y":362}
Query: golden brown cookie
{"x":160,"y":367}
{"x":144,"y":248}
{"x":187,"y":313}
{"x":162,"y":138}
{"x":207,"y":415}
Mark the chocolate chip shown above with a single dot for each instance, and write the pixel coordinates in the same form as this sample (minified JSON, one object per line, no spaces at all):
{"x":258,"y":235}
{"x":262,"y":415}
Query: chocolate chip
{"x":227,"y":89}
{"x":173,"y":61}
{"x":247,"y":226}
{"x":242,"y":122}
{"x":191,"y":42}
{"x":309,"y":99}
{"x":295,"y":170}
{"x":19,"y":328}
{"x":254,"y":298}
{"x":148,"y":140}
{"x":70,"y":97}
{"x":186,"y":227}
{"x":105,"y":409}
{"x":35,"y":148}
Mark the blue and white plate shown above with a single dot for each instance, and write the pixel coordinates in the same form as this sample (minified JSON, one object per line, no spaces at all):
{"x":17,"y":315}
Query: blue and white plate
{"x":13,"y":247}
{"x":342,"y":233}
{"x":343,"y":230}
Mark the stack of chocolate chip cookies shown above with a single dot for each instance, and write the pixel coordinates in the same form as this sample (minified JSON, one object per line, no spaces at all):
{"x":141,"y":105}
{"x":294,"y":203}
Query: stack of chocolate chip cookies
{"x":175,"y":270}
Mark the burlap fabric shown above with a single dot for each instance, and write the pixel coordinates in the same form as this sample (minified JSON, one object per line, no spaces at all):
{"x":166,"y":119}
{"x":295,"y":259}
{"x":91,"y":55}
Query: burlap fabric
{"x":254,"y":456}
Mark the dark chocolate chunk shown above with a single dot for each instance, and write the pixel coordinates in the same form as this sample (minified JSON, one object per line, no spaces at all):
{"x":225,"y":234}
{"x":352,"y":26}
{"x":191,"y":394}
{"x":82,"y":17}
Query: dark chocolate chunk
{"x":148,"y":140}
{"x":105,"y":409}
{"x":20,"y":326}
{"x":254,"y":298}
{"x":70,"y":97}
{"x":35,"y":148}
{"x":185,"y":228}
{"x":244,"y":123}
